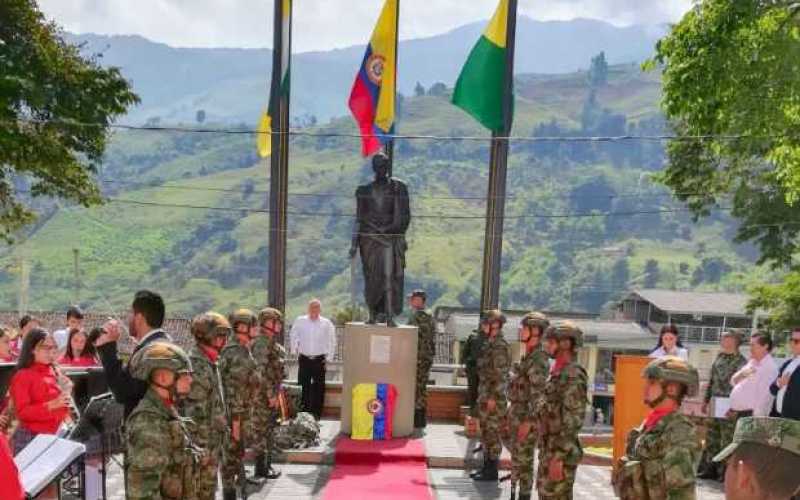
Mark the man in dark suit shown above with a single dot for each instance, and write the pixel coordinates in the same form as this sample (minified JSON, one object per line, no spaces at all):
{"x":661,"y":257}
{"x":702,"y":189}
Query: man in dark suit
{"x":786,"y":387}
{"x":144,"y":324}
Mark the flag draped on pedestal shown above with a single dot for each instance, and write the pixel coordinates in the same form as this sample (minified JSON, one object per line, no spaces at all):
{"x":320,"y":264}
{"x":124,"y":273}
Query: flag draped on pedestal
{"x":373,"y":410}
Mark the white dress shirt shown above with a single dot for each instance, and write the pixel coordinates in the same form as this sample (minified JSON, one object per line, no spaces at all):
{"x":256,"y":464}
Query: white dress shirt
{"x":752,"y":392}
{"x":677,"y":351}
{"x":790,"y":368}
{"x":61,"y":337}
{"x":313,"y":337}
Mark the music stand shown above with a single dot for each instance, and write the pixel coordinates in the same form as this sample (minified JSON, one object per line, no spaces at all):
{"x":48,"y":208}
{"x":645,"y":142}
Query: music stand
{"x":49,"y":458}
{"x":100,"y":428}
{"x":6,"y":372}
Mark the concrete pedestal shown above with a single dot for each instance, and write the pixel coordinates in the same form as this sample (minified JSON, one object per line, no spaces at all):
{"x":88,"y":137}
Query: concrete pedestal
{"x":380,"y":354}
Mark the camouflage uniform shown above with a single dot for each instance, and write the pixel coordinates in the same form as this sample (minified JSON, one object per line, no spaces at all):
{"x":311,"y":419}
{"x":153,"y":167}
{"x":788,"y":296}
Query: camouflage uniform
{"x":204,"y":405}
{"x":238,"y":370}
{"x":720,"y":430}
{"x":561,"y":415}
{"x":493,"y":368}
{"x":270,"y":357}
{"x":426,"y":349}
{"x":473,"y":347}
{"x":161,"y":455}
{"x":661,"y":459}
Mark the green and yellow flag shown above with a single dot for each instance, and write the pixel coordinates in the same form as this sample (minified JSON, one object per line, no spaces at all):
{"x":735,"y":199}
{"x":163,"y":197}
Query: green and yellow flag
{"x":264,"y":139}
{"x":481,"y":85}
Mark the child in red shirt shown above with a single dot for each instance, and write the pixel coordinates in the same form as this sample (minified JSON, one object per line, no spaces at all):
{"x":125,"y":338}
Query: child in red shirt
{"x":40,"y":404}
{"x":79,"y":351}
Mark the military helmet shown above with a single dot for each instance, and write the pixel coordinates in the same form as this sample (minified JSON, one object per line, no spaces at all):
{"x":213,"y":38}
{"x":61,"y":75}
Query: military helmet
{"x":493,"y":315}
{"x":418,"y":293}
{"x":777,"y":433}
{"x":674,"y":369}
{"x":205,"y":327}
{"x":535,"y":319}
{"x":160,"y":355}
{"x":269,"y":313}
{"x":566,"y":330}
{"x":243,"y":315}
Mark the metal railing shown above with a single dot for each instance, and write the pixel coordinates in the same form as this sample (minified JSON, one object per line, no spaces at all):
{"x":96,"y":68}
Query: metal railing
{"x":701,"y":334}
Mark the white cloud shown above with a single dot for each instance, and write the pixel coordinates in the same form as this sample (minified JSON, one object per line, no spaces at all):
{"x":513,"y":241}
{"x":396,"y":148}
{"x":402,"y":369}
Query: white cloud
{"x":321,"y":24}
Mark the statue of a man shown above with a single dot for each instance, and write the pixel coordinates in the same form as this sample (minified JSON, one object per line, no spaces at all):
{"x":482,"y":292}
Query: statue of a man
{"x":382,"y":218}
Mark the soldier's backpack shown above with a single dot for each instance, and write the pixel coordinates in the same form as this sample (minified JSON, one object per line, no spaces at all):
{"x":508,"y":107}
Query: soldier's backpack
{"x":301,"y":432}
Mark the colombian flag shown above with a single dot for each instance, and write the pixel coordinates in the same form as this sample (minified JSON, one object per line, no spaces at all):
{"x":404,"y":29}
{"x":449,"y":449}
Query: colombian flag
{"x":373,"y":409}
{"x":372,"y":100}
{"x":264,"y":131}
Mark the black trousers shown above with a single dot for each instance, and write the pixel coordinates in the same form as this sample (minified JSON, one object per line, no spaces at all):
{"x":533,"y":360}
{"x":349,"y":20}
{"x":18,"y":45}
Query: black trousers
{"x":311,"y":375}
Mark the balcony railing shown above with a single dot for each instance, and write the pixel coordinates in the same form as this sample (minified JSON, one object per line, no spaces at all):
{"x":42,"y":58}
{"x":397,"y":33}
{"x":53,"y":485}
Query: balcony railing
{"x":701,"y":334}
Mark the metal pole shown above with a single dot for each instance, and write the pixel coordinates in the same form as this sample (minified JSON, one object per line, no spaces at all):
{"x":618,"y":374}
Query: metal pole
{"x":279,"y":166}
{"x":496,"y":198}
{"x":77,"y":273}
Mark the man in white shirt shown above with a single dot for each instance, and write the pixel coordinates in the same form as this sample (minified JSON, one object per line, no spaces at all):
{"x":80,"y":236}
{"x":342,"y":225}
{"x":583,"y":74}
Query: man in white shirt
{"x":313,"y":339}
{"x":74,"y":322}
{"x":750,"y":395}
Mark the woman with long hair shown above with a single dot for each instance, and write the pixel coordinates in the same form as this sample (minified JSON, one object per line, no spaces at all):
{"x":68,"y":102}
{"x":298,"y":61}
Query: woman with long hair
{"x":80,"y":352}
{"x":40,"y":404}
{"x":669,"y":344}
{"x":6,"y":352}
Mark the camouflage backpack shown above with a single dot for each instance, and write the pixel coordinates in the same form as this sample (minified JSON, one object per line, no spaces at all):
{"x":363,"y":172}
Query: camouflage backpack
{"x":301,"y":432}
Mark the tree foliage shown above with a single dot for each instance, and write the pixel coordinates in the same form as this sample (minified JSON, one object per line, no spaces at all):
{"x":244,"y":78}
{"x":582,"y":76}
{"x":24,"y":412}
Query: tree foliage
{"x":55,"y":108}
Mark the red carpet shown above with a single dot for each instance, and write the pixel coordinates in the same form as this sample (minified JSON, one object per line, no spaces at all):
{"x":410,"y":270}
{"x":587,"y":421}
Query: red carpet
{"x":378,"y":469}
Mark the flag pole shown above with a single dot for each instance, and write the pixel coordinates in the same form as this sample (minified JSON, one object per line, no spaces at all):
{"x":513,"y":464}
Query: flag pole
{"x":498,"y":166}
{"x":279,"y":165}
{"x":390,"y":144}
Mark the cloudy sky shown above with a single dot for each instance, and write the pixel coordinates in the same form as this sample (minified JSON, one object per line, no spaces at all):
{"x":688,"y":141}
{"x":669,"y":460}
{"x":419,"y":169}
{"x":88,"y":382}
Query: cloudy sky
{"x":321,"y":24}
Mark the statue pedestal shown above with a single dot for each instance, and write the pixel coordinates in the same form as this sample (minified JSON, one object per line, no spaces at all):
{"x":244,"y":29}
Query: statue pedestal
{"x":381,"y":354}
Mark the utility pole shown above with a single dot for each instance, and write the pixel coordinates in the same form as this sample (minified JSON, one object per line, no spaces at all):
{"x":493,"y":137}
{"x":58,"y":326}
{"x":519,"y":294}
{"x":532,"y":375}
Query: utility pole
{"x":24,"y":286}
{"x":77,"y":273}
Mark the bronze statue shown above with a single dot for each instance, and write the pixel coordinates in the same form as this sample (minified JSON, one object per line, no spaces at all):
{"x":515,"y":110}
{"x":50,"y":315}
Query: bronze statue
{"x":382,"y":218}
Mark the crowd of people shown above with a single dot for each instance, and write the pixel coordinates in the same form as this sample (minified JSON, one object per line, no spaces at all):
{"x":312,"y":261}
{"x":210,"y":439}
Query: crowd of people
{"x":191,"y":414}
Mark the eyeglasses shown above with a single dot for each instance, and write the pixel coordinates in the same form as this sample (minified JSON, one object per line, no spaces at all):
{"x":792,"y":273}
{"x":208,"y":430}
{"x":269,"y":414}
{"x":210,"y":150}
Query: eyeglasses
{"x":46,"y":347}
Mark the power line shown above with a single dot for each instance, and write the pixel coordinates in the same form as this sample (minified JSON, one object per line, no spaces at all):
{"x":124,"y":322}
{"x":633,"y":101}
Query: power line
{"x":303,"y":133}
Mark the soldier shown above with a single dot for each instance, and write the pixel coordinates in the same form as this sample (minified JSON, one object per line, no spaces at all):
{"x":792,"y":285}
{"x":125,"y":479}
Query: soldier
{"x":720,"y":430}
{"x":528,"y":379}
{"x":270,"y":357}
{"x":204,"y":404}
{"x":493,"y":367}
{"x":240,"y":384}
{"x":561,"y":413}
{"x":472,"y":353}
{"x":763,"y":459}
{"x":426,"y":349}
{"x":160,"y":452}
{"x":662,"y":454}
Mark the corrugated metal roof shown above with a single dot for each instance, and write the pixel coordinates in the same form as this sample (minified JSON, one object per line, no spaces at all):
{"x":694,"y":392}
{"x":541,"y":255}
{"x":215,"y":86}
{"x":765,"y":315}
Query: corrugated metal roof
{"x":706,"y":303}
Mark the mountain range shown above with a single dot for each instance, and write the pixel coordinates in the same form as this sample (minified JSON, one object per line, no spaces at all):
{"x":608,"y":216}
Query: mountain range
{"x":231,"y":84}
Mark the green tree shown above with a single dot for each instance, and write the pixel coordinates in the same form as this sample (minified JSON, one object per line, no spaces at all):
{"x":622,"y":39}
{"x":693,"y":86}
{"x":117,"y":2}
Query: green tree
{"x":651,"y":272}
{"x":730,"y":69}
{"x":438,"y":89}
{"x":200,"y":116}
{"x":598,"y":71}
{"x":55,"y":108}
{"x":419,"y":90}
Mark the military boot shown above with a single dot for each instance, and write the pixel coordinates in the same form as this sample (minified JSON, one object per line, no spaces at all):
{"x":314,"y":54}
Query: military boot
{"x":272,"y":473}
{"x":489,"y":471}
{"x":228,"y":494}
{"x":259,"y":477}
{"x":524,"y":496}
{"x":419,"y":419}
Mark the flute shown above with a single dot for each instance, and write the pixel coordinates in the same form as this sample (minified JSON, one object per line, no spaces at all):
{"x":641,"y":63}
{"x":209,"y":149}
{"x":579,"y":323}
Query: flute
{"x":65,"y":384}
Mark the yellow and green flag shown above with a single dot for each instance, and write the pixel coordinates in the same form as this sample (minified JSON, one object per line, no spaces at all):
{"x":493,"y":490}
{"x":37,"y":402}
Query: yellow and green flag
{"x":482,"y":83}
{"x":264,"y":139}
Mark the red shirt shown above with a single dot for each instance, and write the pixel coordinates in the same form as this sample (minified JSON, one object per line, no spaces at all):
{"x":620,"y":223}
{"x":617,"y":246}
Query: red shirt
{"x":79,"y":361}
{"x":32,"y":388}
{"x":10,"y":484}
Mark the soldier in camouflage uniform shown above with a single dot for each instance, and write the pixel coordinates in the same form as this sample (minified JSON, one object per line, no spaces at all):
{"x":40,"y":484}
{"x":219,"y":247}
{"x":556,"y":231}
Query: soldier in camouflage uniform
{"x":238,"y":372}
{"x":426,"y":349}
{"x":493,"y":367}
{"x":204,"y":404}
{"x":525,"y":390}
{"x":662,"y":454}
{"x":561,"y":414}
{"x":473,"y":347}
{"x":270,"y":357}
{"x":161,"y":456}
{"x":763,"y":459}
{"x":720,"y":430}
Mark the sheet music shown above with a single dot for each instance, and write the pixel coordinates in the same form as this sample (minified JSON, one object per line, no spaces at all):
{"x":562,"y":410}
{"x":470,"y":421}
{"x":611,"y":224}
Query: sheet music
{"x":44,"y":459}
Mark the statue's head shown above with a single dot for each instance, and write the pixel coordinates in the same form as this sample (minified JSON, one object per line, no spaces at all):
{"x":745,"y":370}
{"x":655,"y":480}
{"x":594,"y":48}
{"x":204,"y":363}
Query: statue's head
{"x":380,"y":165}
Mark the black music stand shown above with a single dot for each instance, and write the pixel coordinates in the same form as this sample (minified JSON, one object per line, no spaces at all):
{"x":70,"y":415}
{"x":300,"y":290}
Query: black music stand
{"x":47,"y":459}
{"x":100,"y":428}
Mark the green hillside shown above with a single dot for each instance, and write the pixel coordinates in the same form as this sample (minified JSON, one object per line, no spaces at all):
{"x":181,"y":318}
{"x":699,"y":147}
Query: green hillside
{"x":186,"y":212}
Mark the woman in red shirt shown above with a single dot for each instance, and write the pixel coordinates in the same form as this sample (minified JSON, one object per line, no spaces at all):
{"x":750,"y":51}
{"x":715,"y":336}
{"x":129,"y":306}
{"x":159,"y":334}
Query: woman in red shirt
{"x":79,"y":351}
{"x":40,"y":404}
